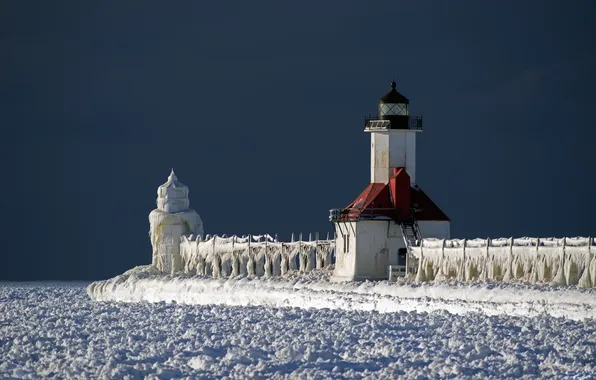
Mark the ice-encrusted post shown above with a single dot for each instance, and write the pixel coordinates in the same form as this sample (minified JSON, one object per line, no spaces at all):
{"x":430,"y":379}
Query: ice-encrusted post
{"x":536,"y":264}
{"x":235,"y":263}
{"x":291,"y":259}
{"x":308,"y":254}
{"x":327,"y":258}
{"x":284,"y":259}
{"x":591,"y":265}
{"x":463,"y":267}
{"x":267,"y":260}
{"x":291,"y":256}
{"x":250,"y":264}
{"x":420,"y":276}
{"x":215,"y":262}
{"x":439,"y":273}
{"x":508,"y":275}
{"x":484,"y":274}
{"x":407,"y":274}
{"x":300,"y":257}
{"x":565,"y":271}
{"x":319,"y":255}
{"x":200,"y":260}
{"x":559,"y":278}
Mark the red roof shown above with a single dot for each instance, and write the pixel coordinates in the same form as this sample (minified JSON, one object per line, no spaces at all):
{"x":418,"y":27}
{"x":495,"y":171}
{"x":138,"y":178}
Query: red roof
{"x":376,"y":202}
{"x":424,"y":207}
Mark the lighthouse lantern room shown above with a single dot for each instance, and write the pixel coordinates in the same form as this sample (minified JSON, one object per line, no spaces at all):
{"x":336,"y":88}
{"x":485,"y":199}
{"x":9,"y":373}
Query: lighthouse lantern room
{"x":374,"y":233}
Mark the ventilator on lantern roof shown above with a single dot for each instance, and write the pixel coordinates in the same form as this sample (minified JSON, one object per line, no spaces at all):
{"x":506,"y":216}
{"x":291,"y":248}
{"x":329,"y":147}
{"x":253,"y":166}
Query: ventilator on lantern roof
{"x":393,"y":96}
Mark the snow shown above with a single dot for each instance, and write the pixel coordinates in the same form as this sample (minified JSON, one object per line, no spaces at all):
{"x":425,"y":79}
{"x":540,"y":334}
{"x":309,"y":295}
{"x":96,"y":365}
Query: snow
{"x":314,"y":290}
{"x":49,"y":331}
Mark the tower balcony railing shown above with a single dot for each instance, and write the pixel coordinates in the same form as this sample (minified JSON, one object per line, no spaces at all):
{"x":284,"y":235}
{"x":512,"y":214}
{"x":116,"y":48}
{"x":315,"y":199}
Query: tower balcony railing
{"x":372,"y":123}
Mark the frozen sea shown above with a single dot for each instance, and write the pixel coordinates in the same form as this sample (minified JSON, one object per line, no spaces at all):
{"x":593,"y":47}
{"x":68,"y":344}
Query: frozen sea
{"x":56,"y":331}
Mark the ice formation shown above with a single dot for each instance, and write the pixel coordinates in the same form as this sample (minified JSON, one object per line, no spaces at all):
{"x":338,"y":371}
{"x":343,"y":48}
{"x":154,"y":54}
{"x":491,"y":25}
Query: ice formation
{"x":565,"y":261}
{"x":315,"y":290}
{"x":176,"y":234}
{"x":169,"y":221}
{"x":251,"y":255}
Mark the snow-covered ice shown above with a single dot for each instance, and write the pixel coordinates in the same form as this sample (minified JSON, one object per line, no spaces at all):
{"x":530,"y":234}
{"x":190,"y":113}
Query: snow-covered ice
{"x":313,"y":290}
{"x":49,"y":330}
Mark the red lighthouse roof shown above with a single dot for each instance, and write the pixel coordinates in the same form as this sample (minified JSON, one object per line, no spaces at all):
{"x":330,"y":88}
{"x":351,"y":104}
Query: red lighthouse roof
{"x":425,"y":208}
{"x":386,"y":201}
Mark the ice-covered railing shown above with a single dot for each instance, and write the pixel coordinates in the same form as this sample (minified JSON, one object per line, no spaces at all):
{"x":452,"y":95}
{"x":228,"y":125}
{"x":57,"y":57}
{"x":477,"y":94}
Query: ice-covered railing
{"x":253,"y":255}
{"x":558,"y":261}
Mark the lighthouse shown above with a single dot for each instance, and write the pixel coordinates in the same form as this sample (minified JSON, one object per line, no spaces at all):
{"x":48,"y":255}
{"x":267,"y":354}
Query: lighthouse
{"x":392,"y":214}
{"x":169,"y":221}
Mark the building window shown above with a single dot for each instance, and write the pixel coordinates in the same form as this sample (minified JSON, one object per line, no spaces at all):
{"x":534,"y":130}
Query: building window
{"x":346,"y":243}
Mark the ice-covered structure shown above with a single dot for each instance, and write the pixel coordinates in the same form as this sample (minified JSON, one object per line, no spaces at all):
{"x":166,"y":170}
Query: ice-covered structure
{"x":565,"y":261}
{"x":169,"y":221}
{"x":260,"y":255}
{"x":176,"y":233}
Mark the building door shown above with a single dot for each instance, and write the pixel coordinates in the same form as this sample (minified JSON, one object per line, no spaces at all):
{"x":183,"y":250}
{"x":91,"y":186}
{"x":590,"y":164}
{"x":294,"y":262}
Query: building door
{"x":401,"y":256}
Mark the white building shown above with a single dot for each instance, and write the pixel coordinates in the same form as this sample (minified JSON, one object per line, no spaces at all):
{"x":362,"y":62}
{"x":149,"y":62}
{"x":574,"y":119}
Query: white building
{"x":392,"y":213}
{"x":169,"y":221}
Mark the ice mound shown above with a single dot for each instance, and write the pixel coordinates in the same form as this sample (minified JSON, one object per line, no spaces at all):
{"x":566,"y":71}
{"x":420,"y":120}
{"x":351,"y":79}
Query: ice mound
{"x":314,"y":290}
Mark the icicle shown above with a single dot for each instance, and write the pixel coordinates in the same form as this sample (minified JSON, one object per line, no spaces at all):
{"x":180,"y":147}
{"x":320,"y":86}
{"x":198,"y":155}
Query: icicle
{"x":250,"y":263}
{"x":560,"y":276}
{"x":276,"y":260}
{"x":508,"y":275}
{"x":300,"y":255}
{"x":484,"y":271}
{"x":309,"y":259}
{"x":318,"y":253}
{"x":327,"y":259}
{"x":216,"y":267}
{"x":250,"y":267}
{"x":420,"y":277}
{"x":284,"y":267}
{"x":235,"y":262}
{"x":268,"y":265}
{"x":462,"y":270}
{"x":592,"y":266}
{"x":586,"y":281}
{"x":437,"y":269}
{"x":535,"y":264}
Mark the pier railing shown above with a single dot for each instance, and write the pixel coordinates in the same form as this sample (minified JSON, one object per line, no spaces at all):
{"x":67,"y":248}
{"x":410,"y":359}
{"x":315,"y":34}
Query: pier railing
{"x":254,"y":255}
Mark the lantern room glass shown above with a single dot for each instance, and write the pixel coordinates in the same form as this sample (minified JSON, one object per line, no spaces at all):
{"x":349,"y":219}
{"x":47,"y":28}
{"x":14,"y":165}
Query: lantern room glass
{"x":389,"y":109}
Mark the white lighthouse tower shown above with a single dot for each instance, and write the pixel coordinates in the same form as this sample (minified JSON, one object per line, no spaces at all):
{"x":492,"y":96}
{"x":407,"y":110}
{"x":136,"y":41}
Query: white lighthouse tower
{"x":393,"y":138}
{"x":169,"y":221}
{"x":392,"y":214}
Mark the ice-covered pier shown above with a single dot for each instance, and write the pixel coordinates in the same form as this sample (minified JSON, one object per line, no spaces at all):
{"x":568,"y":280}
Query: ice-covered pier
{"x":253,"y":255}
{"x":558,"y":261}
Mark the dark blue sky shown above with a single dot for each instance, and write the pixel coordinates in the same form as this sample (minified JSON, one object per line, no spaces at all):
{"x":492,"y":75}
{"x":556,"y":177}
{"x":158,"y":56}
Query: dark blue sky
{"x":259,"y":107}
